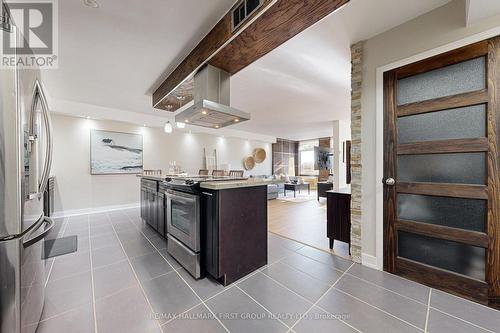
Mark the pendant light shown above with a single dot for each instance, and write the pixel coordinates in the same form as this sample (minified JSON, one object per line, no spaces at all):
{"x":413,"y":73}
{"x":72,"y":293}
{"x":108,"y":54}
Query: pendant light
{"x":168,"y":127}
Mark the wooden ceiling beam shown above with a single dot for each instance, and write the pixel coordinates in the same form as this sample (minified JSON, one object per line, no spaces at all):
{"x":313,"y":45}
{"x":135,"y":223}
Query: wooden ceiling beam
{"x":271,"y":25}
{"x":207,"y":47}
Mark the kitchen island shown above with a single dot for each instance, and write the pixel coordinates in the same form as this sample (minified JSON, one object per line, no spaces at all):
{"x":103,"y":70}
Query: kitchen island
{"x":234,"y":229}
{"x":214,"y":226}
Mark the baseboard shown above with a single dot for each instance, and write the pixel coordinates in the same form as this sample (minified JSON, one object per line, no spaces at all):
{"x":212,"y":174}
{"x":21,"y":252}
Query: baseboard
{"x":369,"y":261}
{"x":85,"y":211}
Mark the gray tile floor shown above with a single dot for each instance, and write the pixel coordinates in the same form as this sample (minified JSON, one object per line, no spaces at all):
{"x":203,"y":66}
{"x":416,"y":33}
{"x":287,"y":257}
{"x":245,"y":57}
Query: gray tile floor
{"x":122,"y":280}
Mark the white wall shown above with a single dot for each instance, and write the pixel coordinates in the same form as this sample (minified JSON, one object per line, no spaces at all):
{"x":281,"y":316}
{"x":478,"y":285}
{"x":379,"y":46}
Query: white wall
{"x":434,"y":29}
{"x":341,"y":134}
{"x":76,"y":189}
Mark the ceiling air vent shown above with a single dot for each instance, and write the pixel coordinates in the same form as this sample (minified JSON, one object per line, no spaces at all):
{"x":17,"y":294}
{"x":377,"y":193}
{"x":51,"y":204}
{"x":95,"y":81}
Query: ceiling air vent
{"x":243,"y":10}
{"x":5,"y":23}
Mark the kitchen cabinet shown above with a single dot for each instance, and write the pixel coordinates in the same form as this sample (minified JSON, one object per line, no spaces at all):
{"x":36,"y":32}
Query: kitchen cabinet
{"x":234,"y":231}
{"x":153,"y":205}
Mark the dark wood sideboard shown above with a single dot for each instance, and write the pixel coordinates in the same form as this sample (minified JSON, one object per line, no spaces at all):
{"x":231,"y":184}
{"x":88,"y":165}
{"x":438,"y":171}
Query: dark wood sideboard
{"x":339,"y":216}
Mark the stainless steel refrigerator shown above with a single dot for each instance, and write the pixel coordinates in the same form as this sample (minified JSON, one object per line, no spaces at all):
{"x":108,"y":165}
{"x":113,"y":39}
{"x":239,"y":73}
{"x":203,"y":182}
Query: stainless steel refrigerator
{"x":25,"y":162}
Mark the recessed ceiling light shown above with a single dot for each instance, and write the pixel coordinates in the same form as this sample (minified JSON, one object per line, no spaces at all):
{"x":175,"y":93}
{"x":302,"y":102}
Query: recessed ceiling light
{"x":236,"y":120}
{"x":186,"y":121}
{"x":204,"y":112}
{"x":216,"y":126}
{"x":181,"y":125}
{"x":91,"y":3}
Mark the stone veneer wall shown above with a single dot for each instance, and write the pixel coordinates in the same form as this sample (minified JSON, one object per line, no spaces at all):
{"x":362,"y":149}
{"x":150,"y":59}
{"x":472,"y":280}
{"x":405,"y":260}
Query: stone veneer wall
{"x":356,"y":192}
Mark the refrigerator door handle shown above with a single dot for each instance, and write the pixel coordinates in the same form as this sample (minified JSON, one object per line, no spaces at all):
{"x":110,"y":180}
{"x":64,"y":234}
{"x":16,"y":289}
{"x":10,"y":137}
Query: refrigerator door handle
{"x":35,"y":239}
{"x":39,"y":95}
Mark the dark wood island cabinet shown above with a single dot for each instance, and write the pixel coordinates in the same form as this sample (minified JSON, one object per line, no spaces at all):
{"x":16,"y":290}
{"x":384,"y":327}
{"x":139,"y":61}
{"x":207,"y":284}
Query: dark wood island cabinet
{"x":234,"y":231}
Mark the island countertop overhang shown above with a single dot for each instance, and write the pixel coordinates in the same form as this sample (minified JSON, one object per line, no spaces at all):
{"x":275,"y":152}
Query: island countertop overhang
{"x":224,"y":185}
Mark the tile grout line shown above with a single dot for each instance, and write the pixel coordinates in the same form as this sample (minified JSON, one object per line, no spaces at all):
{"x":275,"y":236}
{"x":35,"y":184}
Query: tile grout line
{"x":92,"y":276}
{"x":66,"y":222}
{"x":281,"y":284}
{"x":381,"y":310}
{"x":463,"y":320}
{"x":389,"y":290}
{"x":65,"y":219}
{"x":467,"y":300}
{"x":46,"y":281}
{"x":321,"y":297}
{"x":180,"y":276}
{"x":59,"y":314}
{"x":133,"y":270}
{"x":309,"y":245}
{"x":213,"y":296}
{"x":338,"y":270}
{"x":302,"y":297}
{"x":63,"y":230}
{"x":315,"y":278}
{"x":272,"y":314}
{"x":320,"y":262}
{"x":426,"y":328}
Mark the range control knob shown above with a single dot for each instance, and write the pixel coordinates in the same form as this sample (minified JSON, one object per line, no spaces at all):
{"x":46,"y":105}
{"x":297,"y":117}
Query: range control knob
{"x":189,"y":182}
{"x":168,"y":179}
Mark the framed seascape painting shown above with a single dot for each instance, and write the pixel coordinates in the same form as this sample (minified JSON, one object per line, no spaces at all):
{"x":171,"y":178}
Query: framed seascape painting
{"x":115,"y":153}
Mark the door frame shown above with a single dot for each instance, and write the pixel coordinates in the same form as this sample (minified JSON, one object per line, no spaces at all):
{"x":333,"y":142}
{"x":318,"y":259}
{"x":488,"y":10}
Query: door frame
{"x":377,"y":261}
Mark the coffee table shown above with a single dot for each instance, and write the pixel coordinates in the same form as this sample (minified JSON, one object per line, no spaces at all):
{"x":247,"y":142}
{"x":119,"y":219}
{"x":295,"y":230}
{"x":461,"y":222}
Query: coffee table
{"x":295,"y":187}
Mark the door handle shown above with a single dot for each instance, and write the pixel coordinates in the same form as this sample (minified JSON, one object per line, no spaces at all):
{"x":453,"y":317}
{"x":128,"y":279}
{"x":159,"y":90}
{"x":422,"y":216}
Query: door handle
{"x":38,"y":95}
{"x":389,"y":182}
{"x":30,"y":241}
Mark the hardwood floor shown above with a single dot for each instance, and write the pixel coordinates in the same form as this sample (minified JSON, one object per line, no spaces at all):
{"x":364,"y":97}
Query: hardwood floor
{"x":302,"y":220}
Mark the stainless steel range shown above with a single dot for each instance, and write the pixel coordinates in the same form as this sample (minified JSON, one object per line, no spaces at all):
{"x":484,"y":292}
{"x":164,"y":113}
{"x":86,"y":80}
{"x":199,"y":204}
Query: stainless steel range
{"x":184,"y":220}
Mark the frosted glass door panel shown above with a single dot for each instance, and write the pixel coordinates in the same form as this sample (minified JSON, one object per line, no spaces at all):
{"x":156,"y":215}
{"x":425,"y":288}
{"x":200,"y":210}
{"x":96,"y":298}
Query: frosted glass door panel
{"x":461,"y":168}
{"x":468,"y":214}
{"x":462,"y":123}
{"x":455,"y":79}
{"x":459,"y":258}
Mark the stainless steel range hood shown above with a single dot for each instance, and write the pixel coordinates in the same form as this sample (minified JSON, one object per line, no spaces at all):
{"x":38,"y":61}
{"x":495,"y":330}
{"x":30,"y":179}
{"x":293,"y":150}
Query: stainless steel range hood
{"x":211,"y":101}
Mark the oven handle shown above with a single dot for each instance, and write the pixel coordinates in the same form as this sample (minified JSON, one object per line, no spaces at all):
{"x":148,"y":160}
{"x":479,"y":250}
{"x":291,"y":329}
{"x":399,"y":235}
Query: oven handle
{"x":179,"y":198}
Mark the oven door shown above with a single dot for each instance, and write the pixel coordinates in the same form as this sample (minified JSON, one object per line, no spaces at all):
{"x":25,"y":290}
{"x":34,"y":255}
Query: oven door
{"x":183,"y":218}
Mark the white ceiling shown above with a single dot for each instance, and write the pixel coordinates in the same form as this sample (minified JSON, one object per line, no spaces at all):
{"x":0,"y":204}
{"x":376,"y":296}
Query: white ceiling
{"x":481,"y":9}
{"x":112,"y":58}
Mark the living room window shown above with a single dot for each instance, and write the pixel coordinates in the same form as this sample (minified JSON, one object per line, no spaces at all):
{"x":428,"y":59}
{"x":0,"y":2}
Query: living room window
{"x":307,"y":158}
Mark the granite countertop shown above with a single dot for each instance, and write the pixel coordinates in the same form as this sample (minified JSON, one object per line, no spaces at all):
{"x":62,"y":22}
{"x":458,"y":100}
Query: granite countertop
{"x":344,"y":190}
{"x":158,"y":178}
{"x":224,"y":185}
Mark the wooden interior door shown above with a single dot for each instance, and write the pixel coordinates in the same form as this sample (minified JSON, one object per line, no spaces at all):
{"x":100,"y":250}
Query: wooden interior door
{"x":441,"y":172}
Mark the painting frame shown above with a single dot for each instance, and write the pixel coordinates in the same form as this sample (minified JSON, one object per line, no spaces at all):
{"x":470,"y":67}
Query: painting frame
{"x":115,"y":170}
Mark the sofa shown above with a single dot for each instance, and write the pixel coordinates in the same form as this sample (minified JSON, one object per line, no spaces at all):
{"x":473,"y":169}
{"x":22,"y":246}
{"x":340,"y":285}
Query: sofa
{"x":273,"y":190}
